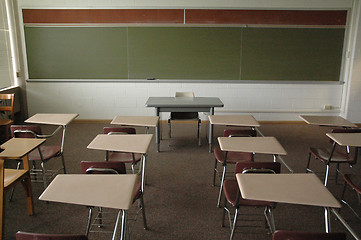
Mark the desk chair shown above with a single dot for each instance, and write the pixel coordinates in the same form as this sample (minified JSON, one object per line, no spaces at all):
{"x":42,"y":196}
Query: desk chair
{"x":338,"y":155}
{"x":185,"y":115}
{"x":125,"y":157}
{"x":294,"y":235}
{"x":41,"y":236}
{"x":230,"y":157}
{"x":8,"y":179}
{"x":7,"y":109}
{"x":88,"y":167}
{"x":233,"y":197}
{"x":354,"y":182}
{"x":46,"y":152}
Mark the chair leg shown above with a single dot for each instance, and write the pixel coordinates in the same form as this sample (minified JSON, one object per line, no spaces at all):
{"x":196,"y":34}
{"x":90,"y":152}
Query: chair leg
{"x":221,"y":187}
{"x":44,"y":174}
{"x":308,"y":163}
{"x":234,"y":224}
{"x":169,"y":129}
{"x":337,"y":171}
{"x":199,"y":132}
{"x":12,"y":190}
{"x":270,"y":219}
{"x":26,"y":182}
{"x":63,"y":162}
{"x":141,"y":200}
{"x":89,"y":221}
{"x":215,"y":172}
{"x":327,"y":173}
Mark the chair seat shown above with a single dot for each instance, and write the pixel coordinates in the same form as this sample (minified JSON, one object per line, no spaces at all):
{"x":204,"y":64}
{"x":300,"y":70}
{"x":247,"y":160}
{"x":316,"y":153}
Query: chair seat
{"x":354,"y":181}
{"x":230,"y":188}
{"x":323,"y":154}
{"x":48,"y":152}
{"x":4,"y":122}
{"x":11,"y":175}
{"x":232,"y":157}
{"x":184,"y":115}
{"x":124,"y":157}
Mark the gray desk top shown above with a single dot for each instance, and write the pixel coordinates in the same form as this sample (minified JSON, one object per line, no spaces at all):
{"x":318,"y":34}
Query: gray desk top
{"x":184,"y":102}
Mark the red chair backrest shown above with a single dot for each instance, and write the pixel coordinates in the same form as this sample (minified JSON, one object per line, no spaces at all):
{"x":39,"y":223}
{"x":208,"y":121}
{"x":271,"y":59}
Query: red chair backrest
{"x":40,"y":236}
{"x":119,"y":167}
{"x":239,"y":132}
{"x":241,"y":166}
{"x":34,"y":128}
{"x":127,"y":130}
{"x":293,"y":235}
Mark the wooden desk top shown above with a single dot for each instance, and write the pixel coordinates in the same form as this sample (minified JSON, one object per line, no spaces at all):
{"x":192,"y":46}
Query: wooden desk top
{"x":346,"y":139}
{"x":234,"y":120}
{"x":19,"y":147}
{"x":61,"y":119}
{"x":100,"y":190}
{"x":12,"y":174}
{"x":266,"y":145}
{"x":335,"y":121}
{"x":303,"y":188}
{"x":134,"y":143}
{"x":144,"y":121}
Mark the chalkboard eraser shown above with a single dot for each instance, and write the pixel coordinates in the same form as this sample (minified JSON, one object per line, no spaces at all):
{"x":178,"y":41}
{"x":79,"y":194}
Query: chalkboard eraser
{"x":150,"y":78}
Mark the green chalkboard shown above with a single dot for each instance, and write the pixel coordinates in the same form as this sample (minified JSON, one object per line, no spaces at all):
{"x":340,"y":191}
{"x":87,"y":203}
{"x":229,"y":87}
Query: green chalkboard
{"x":292,"y":54}
{"x":190,"y":53}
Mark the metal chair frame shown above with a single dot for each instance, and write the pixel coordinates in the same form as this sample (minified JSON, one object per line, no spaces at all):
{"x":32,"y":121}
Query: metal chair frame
{"x":330,"y":160}
{"x":99,"y":219}
{"x":224,"y":164}
{"x":185,"y":95}
{"x":270,"y":223}
{"x":44,"y":172}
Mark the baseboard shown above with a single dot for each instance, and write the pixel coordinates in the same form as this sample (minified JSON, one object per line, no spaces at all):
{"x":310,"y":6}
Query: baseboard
{"x":107,"y":121}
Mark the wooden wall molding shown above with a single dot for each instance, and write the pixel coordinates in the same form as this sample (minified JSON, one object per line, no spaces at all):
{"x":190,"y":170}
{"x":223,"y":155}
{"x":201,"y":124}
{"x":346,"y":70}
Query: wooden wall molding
{"x":185,"y":16}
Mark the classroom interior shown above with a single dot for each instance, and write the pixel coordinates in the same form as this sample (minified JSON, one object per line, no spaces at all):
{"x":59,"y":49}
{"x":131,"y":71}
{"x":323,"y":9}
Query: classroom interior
{"x":180,"y":201}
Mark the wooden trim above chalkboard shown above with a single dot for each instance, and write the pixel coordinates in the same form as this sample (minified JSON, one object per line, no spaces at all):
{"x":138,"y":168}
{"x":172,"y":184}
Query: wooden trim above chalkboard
{"x":185,"y":16}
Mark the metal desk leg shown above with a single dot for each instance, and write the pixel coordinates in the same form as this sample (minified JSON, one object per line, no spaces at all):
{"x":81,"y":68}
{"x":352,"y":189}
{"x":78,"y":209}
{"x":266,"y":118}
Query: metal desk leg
{"x":157,"y":130}
{"x":210,"y":135}
{"x":143,"y":172}
{"x":327,"y":220}
{"x":353,"y":233}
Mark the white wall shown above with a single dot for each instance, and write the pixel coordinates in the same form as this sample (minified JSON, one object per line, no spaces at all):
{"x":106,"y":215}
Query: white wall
{"x":264,"y":101}
{"x":5,"y":56}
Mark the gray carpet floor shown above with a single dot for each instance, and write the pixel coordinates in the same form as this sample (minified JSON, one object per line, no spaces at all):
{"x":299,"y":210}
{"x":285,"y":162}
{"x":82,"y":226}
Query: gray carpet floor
{"x":179,"y":197}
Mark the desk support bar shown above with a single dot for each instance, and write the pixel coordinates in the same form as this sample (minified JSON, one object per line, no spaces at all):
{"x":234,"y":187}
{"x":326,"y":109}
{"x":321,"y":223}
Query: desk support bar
{"x":353,"y":233}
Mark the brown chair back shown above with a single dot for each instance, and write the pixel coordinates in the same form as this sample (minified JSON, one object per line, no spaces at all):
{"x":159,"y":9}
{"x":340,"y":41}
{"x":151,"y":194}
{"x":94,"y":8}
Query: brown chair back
{"x":242,"y":166}
{"x":106,"y":167}
{"x":9,"y":104}
{"x":41,"y":236}
{"x":25,"y":131}
{"x":107,"y":130}
{"x":294,"y":235}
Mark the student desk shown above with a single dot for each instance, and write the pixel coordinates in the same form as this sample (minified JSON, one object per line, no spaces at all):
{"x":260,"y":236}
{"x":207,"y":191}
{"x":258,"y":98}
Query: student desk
{"x":182,"y":104}
{"x":300,"y":188}
{"x":19,"y":148}
{"x":335,"y":121}
{"x":132,"y":143}
{"x":265,"y":145}
{"x":99,"y":190}
{"x":231,"y":120}
{"x":143,"y":121}
{"x":59,"y":119}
